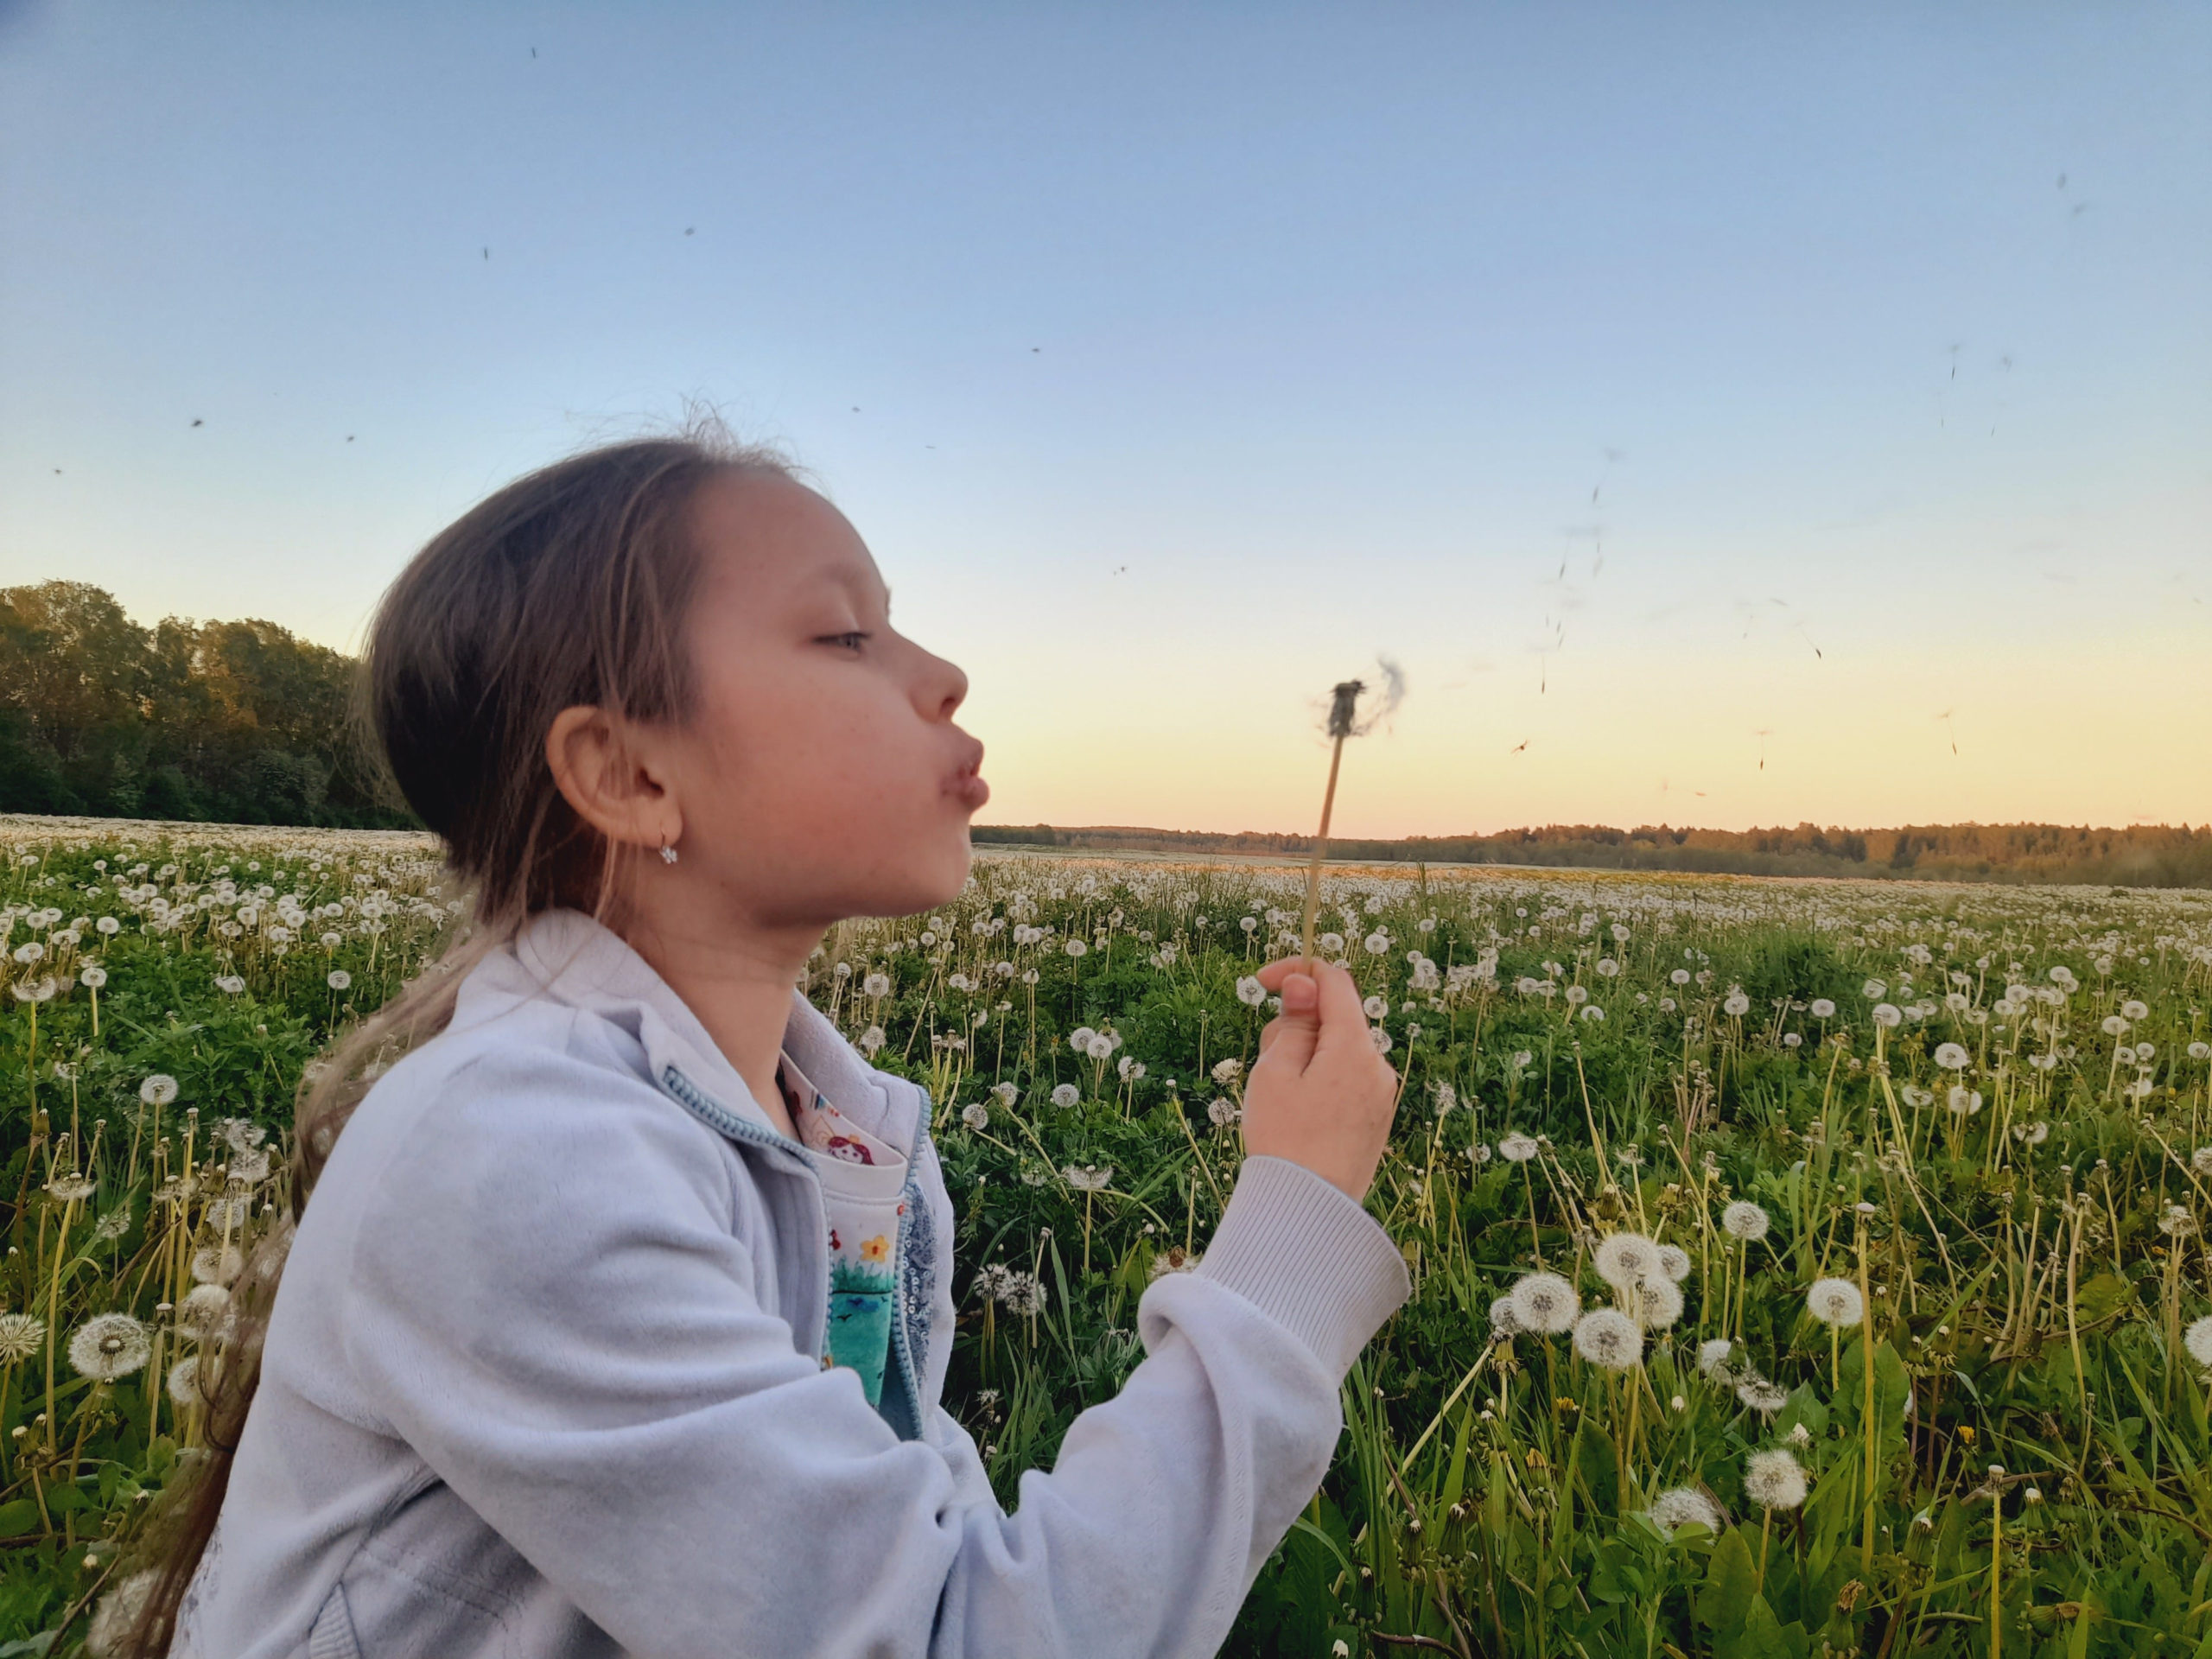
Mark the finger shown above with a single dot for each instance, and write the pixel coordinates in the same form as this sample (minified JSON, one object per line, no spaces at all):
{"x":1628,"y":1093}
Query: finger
{"x":1272,"y":974}
{"x":1337,"y":1014}
{"x":1298,"y":1028}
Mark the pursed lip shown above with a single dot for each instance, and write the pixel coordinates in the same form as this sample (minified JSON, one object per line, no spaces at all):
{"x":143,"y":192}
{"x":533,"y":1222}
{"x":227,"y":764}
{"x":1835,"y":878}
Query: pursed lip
{"x":967,"y":786}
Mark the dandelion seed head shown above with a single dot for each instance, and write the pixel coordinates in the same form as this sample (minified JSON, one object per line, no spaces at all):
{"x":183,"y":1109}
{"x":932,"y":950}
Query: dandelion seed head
{"x":1609,"y":1338}
{"x":109,"y":1346}
{"x":1686,"y":1506}
{"x":1774,"y":1480}
{"x":1744,"y":1220}
{"x":1545,"y":1303}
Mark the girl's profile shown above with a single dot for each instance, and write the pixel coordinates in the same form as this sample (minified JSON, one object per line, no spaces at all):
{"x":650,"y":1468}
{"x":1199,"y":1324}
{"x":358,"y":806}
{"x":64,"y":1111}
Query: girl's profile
{"x":618,"y":1308}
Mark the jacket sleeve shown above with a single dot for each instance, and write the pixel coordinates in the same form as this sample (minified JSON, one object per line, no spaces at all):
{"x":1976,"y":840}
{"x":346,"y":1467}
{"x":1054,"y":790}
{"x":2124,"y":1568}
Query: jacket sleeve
{"x":549,"y":1305}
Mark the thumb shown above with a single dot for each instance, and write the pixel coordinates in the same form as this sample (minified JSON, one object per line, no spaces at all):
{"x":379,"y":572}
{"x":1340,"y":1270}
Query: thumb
{"x":1298,"y":1029}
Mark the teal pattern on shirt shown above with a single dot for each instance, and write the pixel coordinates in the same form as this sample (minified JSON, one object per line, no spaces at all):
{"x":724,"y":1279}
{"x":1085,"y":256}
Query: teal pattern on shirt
{"x":859,"y":1322}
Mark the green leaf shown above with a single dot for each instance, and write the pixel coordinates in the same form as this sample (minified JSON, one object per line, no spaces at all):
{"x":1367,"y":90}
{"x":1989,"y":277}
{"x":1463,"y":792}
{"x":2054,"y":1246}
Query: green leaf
{"x":1763,"y":1637}
{"x":1598,"y":1464}
{"x":1732,"y":1582}
{"x":18,"y":1517}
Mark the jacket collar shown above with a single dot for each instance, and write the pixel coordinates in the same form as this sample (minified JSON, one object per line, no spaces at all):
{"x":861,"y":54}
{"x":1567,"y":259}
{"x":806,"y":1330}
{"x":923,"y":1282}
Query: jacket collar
{"x":567,"y":958}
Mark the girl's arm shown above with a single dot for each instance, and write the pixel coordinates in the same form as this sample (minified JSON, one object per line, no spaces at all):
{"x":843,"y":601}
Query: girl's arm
{"x":549,"y":1306}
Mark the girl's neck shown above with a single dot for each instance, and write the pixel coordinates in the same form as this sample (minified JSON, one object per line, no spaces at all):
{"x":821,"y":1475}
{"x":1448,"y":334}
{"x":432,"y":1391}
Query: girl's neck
{"x":738,"y":983}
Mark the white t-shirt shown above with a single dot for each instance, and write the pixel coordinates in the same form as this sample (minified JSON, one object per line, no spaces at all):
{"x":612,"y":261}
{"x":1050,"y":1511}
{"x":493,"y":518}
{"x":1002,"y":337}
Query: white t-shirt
{"x":863,"y":1183}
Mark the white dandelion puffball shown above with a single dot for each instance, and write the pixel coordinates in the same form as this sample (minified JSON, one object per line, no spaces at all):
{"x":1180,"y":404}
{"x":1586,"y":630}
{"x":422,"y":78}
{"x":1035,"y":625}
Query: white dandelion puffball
{"x":2135,"y":1010}
{"x":1951,"y":1057}
{"x":184,"y":1380}
{"x":1221,"y":1111}
{"x":1745,"y":1220}
{"x":200,"y":1314}
{"x":1760,"y":1396}
{"x":1505,"y":1322}
{"x":1737,"y":1005}
{"x":872,"y":1039}
{"x":1079,"y":1038}
{"x":117,"y":1615}
{"x":1250,"y":992}
{"x":1822,"y":1008}
{"x":20,"y":1336}
{"x":217,"y":1264}
{"x":1592,"y":1014}
{"x":1516,"y":1147}
{"x":91,"y":975}
{"x":1066,"y":1095}
{"x":1874,"y":990}
{"x":1625,"y":1259}
{"x":2200,"y":1050}
{"x":339,"y":980}
{"x":2115,"y":1025}
{"x":1888,"y":1016}
{"x":108,"y":1347}
{"x":1377,"y":944}
{"x":876,"y":985}
{"x":1774,"y":1480}
{"x":1674,"y":1262}
{"x":1608,"y":1338}
{"x":975,"y":1114}
{"x":158,"y":1089}
{"x":1655,"y":1303}
{"x":229,"y":984}
{"x":2198,"y":1339}
{"x":1686,"y":1506}
{"x":1715,"y":1356}
{"x":1836,"y":1301}
{"x":1545,"y":1303}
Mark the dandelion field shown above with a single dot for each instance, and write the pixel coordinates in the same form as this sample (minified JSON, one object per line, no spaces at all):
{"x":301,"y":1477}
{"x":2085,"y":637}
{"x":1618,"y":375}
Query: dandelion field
{"x":1674,"y":1156}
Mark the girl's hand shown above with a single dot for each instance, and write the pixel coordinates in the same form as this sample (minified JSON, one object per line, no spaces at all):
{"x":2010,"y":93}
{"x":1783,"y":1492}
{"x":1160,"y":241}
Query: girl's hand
{"x":1319,"y":1095}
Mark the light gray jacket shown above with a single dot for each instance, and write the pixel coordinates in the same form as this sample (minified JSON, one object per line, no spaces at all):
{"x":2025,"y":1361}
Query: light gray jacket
{"x":543,"y":1378}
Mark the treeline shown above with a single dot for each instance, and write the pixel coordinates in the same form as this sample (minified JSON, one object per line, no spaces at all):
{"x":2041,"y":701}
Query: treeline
{"x":240,"y":722}
{"x":2150,"y":857}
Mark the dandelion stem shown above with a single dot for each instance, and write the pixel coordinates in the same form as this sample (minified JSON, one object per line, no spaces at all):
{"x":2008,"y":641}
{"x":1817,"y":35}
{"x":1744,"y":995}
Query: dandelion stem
{"x":1320,"y":848}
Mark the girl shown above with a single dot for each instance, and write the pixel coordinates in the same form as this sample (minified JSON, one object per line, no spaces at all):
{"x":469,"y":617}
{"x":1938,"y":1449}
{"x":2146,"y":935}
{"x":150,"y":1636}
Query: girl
{"x":619,"y":1317}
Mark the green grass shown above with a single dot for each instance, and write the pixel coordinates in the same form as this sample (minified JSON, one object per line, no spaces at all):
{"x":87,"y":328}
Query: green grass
{"x":2031,"y":1265}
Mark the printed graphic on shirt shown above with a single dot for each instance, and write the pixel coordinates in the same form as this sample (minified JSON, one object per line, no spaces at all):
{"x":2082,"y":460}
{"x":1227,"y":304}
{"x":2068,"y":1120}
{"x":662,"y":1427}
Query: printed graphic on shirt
{"x":863,"y":1185}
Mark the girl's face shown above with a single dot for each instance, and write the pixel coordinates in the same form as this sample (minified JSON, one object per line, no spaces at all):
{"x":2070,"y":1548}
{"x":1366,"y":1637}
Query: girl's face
{"x":820,"y":775}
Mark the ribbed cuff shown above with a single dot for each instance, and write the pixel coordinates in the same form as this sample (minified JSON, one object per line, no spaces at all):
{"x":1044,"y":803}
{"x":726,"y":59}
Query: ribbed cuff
{"x":1297,"y":1249}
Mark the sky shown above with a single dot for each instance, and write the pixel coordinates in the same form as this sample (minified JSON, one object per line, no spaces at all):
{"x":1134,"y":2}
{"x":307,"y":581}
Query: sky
{"x":1726,"y":415}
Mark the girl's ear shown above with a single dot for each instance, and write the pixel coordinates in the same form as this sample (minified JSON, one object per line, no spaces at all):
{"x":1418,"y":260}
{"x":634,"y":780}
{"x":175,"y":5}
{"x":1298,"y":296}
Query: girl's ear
{"x":609,"y":780}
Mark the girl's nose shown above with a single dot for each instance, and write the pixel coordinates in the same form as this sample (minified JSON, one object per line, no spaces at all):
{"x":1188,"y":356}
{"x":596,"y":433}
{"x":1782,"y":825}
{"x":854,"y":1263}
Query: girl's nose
{"x":943,"y":687}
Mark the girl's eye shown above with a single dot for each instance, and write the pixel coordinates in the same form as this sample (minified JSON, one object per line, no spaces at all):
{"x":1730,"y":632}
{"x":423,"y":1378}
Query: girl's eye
{"x":851,"y":641}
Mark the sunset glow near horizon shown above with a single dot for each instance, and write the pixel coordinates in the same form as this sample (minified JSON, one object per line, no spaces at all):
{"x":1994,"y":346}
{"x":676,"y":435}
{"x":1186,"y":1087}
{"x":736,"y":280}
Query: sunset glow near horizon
{"x":1727,"y":418}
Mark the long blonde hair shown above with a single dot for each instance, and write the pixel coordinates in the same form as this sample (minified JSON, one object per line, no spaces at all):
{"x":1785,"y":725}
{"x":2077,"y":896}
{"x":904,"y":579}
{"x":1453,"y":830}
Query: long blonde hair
{"x":568,"y":586}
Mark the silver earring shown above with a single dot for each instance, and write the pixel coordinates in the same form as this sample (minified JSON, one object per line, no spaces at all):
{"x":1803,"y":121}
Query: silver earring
{"x":667,"y":853}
